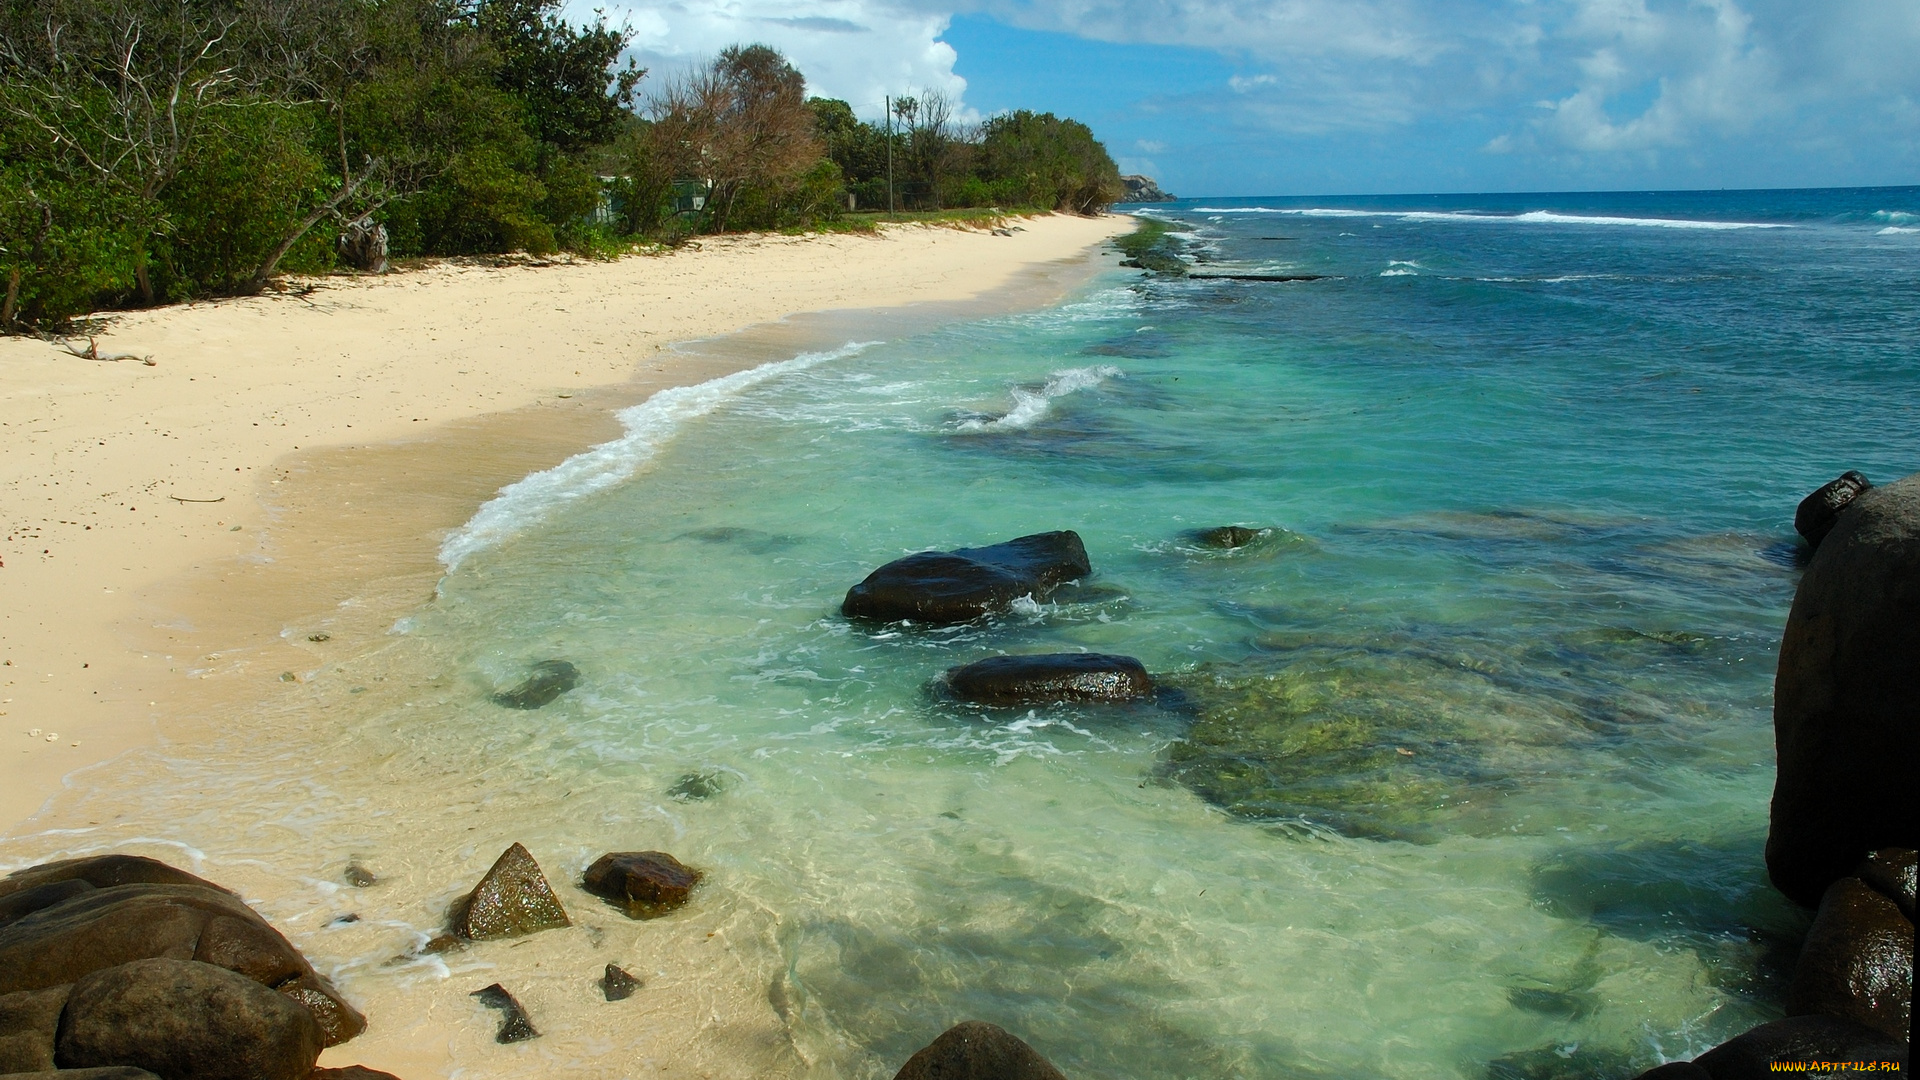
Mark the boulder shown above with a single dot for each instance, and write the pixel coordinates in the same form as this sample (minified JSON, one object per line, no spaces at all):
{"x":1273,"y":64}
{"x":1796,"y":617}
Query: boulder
{"x":28,"y":901}
{"x":618,"y":984}
{"x":102,"y":872}
{"x":184,"y":1020}
{"x":1798,"y":1038}
{"x":351,"y":1072}
{"x":1227,"y":536}
{"x":548,"y":680}
{"x":948,"y":587}
{"x":1890,"y":872}
{"x":28,"y":1022}
{"x":1050,"y":677}
{"x":514,"y":1023}
{"x":104,"y":927}
{"x":1676,"y":1070}
{"x":111,"y":1072}
{"x":1846,"y":711}
{"x":976,"y":1050}
{"x":644,"y":884}
{"x":512,"y":900}
{"x":1815,"y":515}
{"x":1857,"y":962}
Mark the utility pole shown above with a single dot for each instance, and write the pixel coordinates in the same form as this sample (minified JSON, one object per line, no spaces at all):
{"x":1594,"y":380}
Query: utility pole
{"x":889,"y":105}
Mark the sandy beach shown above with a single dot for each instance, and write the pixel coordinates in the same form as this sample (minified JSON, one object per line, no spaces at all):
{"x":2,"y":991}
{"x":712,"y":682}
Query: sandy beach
{"x":172,"y":529}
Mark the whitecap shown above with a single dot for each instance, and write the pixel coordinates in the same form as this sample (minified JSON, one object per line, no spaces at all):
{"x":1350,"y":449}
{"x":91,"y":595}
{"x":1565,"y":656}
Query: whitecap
{"x":649,"y":426}
{"x":1398,"y":272}
{"x":1030,"y":405}
{"x":1895,"y":217}
{"x":1896,"y":230}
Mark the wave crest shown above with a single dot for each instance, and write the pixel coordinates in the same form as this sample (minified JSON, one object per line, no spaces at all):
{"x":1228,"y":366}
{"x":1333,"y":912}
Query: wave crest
{"x":1030,"y":405}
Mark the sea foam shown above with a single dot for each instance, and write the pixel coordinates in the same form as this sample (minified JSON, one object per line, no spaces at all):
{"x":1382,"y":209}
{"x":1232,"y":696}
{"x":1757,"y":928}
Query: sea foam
{"x":649,"y":426}
{"x":1031,"y":405}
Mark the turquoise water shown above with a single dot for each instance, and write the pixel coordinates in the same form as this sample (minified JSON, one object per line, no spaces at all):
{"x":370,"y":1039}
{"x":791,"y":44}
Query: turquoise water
{"x":1467,"y":769}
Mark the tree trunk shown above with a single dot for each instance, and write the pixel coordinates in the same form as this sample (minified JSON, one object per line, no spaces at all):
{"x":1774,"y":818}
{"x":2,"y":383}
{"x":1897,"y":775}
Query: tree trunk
{"x":145,"y":284}
{"x":260,"y":276}
{"x":12,"y":303}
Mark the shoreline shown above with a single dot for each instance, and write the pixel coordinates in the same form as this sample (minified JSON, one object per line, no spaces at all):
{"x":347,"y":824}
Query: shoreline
{"x":181,"y":539}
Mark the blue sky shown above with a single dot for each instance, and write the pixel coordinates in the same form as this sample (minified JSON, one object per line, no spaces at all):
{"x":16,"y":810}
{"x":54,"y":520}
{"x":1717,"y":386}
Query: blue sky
{"x":1286,"y":97}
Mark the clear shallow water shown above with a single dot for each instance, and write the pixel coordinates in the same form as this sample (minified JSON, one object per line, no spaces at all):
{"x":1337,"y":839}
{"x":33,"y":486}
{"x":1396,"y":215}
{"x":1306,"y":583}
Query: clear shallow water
{"x":1532,"y":481}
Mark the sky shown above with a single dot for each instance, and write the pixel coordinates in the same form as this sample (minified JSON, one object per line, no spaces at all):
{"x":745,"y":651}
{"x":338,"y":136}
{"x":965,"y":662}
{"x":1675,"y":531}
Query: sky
{"x":1327,"y":97}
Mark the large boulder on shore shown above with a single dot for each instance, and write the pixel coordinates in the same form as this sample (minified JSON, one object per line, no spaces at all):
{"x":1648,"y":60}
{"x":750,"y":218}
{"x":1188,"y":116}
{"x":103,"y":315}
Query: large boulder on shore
{"x":512,"y":899}
{"x":1048,"y":678}
{"x":1846,"y":710}
{"x":644,"y":884}
{"x":102,"y":927}
{"x":1857,"y":962}
{"x":947,"y":587}
{"x":1799,"y":1039}
{"x":977,"y":1050}
{"x":183,"y":1020}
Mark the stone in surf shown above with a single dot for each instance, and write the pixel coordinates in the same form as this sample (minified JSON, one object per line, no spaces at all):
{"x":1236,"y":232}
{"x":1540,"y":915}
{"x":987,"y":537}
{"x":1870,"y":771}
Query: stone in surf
{"x":948,"y":587}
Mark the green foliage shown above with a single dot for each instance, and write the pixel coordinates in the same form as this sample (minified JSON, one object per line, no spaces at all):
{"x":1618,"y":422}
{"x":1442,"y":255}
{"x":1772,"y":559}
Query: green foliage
{"x":1040,"y":160}
{"x":558,"y":73}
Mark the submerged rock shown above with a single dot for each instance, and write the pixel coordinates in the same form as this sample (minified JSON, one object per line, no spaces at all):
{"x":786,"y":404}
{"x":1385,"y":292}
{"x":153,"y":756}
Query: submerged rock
{"x":1050,"y":677}
{"x":99,"y":928}
{"x":1227,"y":536}
{"x":1798,"y":1039}
{"x":976,"y":1050}
{"x":1846,"y":712}
{"x":618,"y":984}
{"x":359,"y":876}
{"x":548,"y":680}
{"x":1858,"y":961}
{"x":697,"y":787}
{"x":184,"y":1020}
{"x":515,"y":1025}
{"x":644,"y":884}
{"x":1816,"y":514}
{"x":947,"y":587}
{"x":512,"y":900}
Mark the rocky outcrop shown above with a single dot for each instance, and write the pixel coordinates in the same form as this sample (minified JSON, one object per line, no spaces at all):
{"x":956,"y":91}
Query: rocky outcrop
{"x":512,"y":900}
{"x":1857,"y":963}
{"x":976,"y":1050}
{"x":1143,"y":189}
{"x":644,"y":884}
{"x":1847,"y":698}
{"x":185,"y":1020}
{"x":548,"y":680}
{"x":185,"y":918}
{"x":1798,"y":1039}
{"x":947,"y":587}
{"x":1048,"y":678}
{"x":1890,"y":872}
{"x":1814,"y":517}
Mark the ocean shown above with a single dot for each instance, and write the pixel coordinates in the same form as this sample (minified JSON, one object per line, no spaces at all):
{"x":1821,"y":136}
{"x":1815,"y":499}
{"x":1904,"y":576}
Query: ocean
{"x":1462,"y":765}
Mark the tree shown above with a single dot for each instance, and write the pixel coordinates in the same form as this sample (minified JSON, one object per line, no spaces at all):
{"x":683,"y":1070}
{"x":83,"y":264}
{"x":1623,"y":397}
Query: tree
{"x":741,"y":120}
{"x":563,"y":77}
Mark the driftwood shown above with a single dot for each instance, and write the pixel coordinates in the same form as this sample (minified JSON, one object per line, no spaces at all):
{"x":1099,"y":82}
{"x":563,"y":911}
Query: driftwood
{"x":92,"y":352}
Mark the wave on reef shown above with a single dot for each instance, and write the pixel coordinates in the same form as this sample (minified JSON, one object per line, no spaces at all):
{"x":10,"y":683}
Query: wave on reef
{"x":649,"y":426}
{"x":1030,"y":405}
{"x":1531,"y":217}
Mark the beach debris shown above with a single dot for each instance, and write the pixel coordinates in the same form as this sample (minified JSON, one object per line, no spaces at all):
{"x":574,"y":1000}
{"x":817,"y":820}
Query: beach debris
{"x":1857,"y":963}
{"x":947,"y":587}
{"x":644,"y":884}
{"x":182,"y":499}
{"x":618,"y":984}
{"x":698,"y":786}
{"x":512,"y":900}
{"x":977,"y":1050}
{"x":514,"y":1024}
{"x":1815,"y":515}
{"x":92,"y":352}
{"x":548,"y":680}
{"x":358,"y":876}
{"x":1049,"y":677}
{"x":181,"y":1018}
{"x":1849,"y":673}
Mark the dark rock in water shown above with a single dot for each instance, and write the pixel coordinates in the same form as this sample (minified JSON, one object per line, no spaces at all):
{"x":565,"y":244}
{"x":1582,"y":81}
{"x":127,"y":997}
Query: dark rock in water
{"x":27,"y":901}
{"x":183,"y":1020}
{"x":644,"y":884}
{"x":618,"y":984}
{"x":29,"y":1020}
{"x":514,"y":1024}
{"x":1846,"y":711}
{"x":1227,"y":536}
{"x":695,"y":787}
{"x":1676,"y":1070}
{"x":1798,"y":1039}
{"x":105,"y":927}
{"x":1048,"y":678}
{"x":947,"y":587}
{"x":1890,"y":872}
{"x":1559,"y":1062}
{"x":976,"y":1050}
{"x":359,"y":876}
{"x":1857,"y":963}
{"x":352,"y":1072}
{"x":550,"y":679}
{"x":1816,"y":514}
{"x":512,"y":900}
{"x":102,"y":872}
